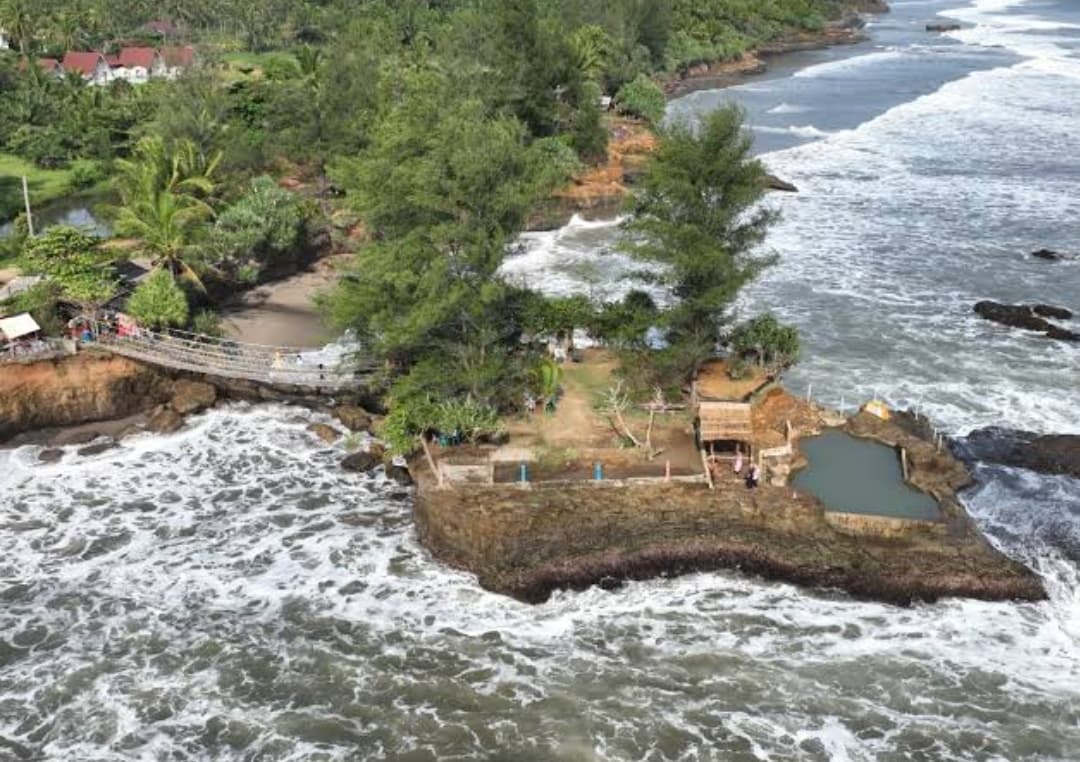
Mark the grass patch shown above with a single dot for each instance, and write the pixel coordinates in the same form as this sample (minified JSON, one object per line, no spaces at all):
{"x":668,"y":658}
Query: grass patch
{"x":45,"y":185}
{"x":245,"y":62}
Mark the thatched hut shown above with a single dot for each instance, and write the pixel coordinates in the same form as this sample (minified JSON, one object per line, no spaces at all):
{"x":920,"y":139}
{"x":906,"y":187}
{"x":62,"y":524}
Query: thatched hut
{"x":725,"y":427}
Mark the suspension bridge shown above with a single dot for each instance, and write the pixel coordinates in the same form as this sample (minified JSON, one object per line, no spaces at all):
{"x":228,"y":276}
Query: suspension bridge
{"x":333,"y":368}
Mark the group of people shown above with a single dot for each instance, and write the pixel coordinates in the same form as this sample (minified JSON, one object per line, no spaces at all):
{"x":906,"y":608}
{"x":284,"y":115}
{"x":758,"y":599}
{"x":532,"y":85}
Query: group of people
{"x":752,"y":477}
{"x":744,"y":468}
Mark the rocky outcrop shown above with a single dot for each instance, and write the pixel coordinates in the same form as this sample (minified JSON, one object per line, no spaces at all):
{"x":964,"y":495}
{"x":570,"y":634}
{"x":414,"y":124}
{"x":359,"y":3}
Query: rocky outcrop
{"x":354,"y":418}
{"x":943,"y":27}
{"x":327,"y":434}
{"x":772,"y":182}
{"x":75,"y":390}
{"x":1050,"y":255}
{"x":192,"y":397}
{"x":164,"y":420}
{"x":1049,"y":454}
{"x":528,"y":542}
{"x":362,"y":462}
{"x":1029,"y":318}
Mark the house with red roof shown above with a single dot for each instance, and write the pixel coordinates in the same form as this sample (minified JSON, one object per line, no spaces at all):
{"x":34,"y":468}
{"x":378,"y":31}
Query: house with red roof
{"x":177,"y":58}
{"x":92,"y":67}
{"x":136,"y":65}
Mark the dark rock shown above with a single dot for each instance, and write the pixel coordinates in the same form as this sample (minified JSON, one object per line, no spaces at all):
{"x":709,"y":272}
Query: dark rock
{"x":1049,"y":255}
{"x":361,"y":462}
{"x":1057,"y":454}
{"x":1049,"y":311}
{"x":50,"y":456}
{"x":775,"y":183}
{"x":400,"y":474}
{"x":1015,"y":316}
{"x":97,"y":449}
{"x":326,"y":433}
{"x":1062,"y":334}
{"x":192,"y":397}
{"x":354,"y":418}
{"x":1028,"y":318}
{"x":74,"y":437}
{"x":943,"y":27}
{"x":164,"y":420}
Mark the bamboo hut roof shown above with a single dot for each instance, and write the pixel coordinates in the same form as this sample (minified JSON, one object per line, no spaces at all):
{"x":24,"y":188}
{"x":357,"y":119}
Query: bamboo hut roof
{"x":725,"y":421}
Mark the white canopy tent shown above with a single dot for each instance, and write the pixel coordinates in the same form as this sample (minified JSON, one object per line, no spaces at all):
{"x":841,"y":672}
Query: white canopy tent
{"x":16,"y":327}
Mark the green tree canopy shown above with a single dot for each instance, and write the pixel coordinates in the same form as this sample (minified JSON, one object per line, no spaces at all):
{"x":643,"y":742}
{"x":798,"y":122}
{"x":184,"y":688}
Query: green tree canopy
{"x":159,"y":301}
{"x":697,"y":223}
{"x":74,"y":261}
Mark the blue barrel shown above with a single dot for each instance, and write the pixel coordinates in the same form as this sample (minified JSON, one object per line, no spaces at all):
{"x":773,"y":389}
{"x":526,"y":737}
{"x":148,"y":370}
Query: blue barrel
{"x":598,"y":472}
{"x":524,"y":471}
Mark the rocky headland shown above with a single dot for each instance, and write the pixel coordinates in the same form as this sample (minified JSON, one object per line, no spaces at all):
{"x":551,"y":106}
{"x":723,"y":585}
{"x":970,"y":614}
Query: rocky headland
{"x":528,"y":542}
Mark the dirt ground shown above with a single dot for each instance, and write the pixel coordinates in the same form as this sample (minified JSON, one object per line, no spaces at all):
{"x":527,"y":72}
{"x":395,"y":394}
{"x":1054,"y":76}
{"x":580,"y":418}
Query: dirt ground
{"x":568,"y":441}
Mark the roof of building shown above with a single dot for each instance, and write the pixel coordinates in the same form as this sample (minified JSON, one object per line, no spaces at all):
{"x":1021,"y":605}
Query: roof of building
{"x":132,"y":57}
{"x":84,"y":63}
{"x":12,"y":328}
{"x":725,"y":421}
{"x":112,"y":60}
{"x":181,"y":55}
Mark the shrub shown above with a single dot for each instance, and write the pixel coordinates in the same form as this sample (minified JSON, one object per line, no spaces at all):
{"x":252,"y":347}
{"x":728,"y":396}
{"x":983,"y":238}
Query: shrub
{"x":86,"y":173}
{"x":642,"y":98}
{"x":411,"y":418}
{"x":263,"y":227}
{"x":159,"y":301}
{"x":208,"y":324}
{"x":767,"y":339}
{"x":739,"y":370}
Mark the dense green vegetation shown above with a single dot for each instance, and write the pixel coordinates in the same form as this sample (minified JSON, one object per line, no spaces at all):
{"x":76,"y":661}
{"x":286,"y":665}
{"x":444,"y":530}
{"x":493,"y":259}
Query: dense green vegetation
{"x":441,"y":124}
{"x":697,"y":221}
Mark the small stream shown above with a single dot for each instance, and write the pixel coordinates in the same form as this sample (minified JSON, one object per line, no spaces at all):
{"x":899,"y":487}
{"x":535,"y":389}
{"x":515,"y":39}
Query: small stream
{"x":79,"y":211}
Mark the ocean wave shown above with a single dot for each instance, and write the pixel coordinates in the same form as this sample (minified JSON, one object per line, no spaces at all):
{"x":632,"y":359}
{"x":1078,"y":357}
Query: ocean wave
{"x":807,"y":131}
{"x":844,"y":66}
{"x":228,"y":590}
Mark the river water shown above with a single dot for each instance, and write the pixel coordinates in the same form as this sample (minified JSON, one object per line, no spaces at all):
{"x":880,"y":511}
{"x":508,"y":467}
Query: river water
{"x":228,"y":593}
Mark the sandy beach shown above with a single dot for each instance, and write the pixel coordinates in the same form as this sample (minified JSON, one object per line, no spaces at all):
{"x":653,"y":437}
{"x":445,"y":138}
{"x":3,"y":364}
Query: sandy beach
{"x":283,"y":313}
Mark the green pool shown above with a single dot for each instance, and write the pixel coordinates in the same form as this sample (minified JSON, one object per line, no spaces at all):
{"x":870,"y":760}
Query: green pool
{"x":854,"y":475}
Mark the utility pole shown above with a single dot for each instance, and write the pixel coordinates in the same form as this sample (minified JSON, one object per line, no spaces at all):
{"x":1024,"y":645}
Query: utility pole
{"x":26,"y":200}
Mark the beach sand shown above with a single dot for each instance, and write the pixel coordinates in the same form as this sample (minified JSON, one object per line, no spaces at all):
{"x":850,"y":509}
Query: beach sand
{"x":283,"y":313}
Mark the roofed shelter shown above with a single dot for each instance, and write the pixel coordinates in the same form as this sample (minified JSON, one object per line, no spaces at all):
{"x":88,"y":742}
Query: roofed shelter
{"x":18,"y":327}
{"x":725,"y":426}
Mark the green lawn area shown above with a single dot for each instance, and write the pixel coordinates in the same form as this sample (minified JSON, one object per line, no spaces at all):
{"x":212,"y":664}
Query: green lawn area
{"x":45,"y":185}
{"x":244,"y":61}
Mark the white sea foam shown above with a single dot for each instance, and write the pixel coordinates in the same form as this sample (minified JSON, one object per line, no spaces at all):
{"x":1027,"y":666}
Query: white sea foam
{"x":788,"y":108}
{"x":230,"y":582}
{"x":845,"y":66}
{"x":807,"y":131}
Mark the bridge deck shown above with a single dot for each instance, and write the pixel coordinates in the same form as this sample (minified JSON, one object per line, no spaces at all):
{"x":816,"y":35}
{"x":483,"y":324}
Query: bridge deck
{"x":230,"y":359}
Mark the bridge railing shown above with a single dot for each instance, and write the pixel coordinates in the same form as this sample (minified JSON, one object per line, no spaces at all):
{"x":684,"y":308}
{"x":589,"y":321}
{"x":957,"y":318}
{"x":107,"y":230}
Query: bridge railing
{"x":233,"y":359}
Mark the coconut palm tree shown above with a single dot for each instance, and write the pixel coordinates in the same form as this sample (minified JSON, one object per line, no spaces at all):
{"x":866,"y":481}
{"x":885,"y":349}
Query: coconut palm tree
{"x":166,"y":223}
{"x":156,"y":166}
